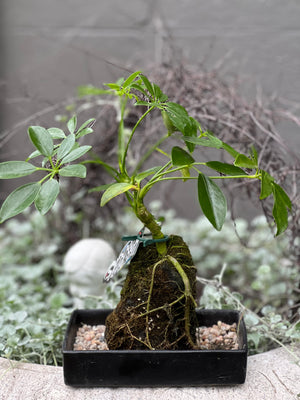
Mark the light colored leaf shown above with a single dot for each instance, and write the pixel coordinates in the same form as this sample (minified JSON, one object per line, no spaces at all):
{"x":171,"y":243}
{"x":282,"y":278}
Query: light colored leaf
{"x":72,"y":123}
{"x":41,"y":139}
{"x":84,"y":132}
{"x":75,"y":154}
{"x":66,"y":146}
{"x":130,"y":79}
{"x":56,"y":133}
{"x":101,"y":188}
{"x":34,"y":154}
{"x":87,"y":124}
{"x":19,"y":200}
{"x":76,"y":170}
{"x":15,"y":169}
{"x":114,"y":190}
{"x":47,"y":196}
{"x":142,"y":175}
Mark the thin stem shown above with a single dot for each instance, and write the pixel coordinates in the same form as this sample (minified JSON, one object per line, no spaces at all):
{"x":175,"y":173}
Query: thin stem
{"x":132,"y":133}
{"x":121,"y":155}
{"x":211,"y":177}
{"x":149,"y":152}
{"x":153,"y":180}
{"x":51,"y":162}
{"x":44,"y":169}
{"x":50,"y":176}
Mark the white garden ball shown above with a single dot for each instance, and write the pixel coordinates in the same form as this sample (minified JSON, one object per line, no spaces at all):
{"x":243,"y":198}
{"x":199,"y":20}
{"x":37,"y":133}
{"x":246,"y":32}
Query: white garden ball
{"x":85,"y":265}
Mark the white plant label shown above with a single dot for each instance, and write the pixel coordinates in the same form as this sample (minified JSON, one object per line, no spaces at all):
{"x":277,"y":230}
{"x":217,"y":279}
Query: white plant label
{"x":124,"y":258}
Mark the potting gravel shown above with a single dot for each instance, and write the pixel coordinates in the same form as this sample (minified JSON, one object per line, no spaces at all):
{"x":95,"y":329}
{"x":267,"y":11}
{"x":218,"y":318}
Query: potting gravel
{"x":90,"y":338}
{"x":216,"y":337}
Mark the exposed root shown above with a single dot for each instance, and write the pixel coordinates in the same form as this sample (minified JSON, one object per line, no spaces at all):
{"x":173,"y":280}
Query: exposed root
{"x":157,"y":306}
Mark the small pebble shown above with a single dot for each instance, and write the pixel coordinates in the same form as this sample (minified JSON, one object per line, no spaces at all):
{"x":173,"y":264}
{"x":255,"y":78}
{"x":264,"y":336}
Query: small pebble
{"x":217,"y":337}
{"x":90,"y":338}
{"x":220,"y":336}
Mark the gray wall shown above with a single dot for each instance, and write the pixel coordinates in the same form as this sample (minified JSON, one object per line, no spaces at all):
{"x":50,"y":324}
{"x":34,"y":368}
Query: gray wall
{"x":52,"y":46}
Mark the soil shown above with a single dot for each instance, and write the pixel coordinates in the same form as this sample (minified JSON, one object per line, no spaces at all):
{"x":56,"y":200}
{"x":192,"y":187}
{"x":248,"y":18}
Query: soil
{"x":154,"y":311}
{"x":217,"y":337}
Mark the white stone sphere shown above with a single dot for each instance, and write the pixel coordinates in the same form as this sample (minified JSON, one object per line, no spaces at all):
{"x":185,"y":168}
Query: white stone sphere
{"x":85,"y":264}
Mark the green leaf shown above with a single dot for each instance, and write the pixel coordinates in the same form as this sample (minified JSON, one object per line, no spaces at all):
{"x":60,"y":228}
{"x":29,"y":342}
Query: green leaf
{"x":47,"y":196}
{"x":168,"y":123}
{"x":101,"y":188}
{"x":178,"y":115}
{"x":142,"y":103}
{"x":113,"y":86}
{"x":253,"y":154}
{"x":224,"y":168}
{"x":66,"y":146}
{"x":19,"y":200}
{"x":34,"y":154}
{"x":15,"y":169}
{"x":181,"y":157}
{"x":148,"y":85}
{"x":114,"y":190}
{"x":159,"y":95}
{"x":266,"y":185}
{"x":75,"y":154}
{"x":56,"y":133}
{"x":76,"y":170}
{"x":84,"y":132}
{"x":207,"y":141}
{"x":87,"y":90}
{"x":230,"y":150}
{"x":282,"y":202}
{"x":88,"y":123}
{"x":212,"y":201}
{"x":41,"y":139}
{"x":72,"y":123}
{"x":139,"y":88}
{"x":245,"y":162}
{"x":130,"y":79}
{"x":111,"y":171}
{"x":142,"y":175}
{"x":190,"y":130}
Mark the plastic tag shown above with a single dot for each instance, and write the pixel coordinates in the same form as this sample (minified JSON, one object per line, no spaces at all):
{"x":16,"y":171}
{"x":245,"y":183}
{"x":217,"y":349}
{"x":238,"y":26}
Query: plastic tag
{"x":124,"y":258}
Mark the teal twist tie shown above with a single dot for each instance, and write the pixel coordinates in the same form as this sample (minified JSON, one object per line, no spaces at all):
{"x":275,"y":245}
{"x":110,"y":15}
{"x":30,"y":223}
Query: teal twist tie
{"x":146,"y":242}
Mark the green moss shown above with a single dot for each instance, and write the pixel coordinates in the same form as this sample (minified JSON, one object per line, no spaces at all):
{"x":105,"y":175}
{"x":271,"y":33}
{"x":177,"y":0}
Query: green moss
{"x":154,"y":306}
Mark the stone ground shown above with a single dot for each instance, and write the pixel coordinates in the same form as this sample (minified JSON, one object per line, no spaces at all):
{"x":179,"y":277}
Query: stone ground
{"x":271,"y":376}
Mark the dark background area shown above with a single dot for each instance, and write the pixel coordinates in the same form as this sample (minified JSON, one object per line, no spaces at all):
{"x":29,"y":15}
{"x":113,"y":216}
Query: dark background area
{"x":50,"y":47}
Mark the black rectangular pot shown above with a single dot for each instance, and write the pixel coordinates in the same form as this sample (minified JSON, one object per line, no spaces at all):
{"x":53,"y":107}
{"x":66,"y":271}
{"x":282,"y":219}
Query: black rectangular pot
{"x":148,"y":368}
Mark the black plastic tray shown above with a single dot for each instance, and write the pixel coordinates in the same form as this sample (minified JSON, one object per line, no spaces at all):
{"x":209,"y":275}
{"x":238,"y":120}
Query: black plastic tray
{"x":148,"y":368}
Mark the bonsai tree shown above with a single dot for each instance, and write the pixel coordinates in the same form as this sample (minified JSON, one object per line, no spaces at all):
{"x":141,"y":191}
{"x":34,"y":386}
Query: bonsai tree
{"x":157,"y":305}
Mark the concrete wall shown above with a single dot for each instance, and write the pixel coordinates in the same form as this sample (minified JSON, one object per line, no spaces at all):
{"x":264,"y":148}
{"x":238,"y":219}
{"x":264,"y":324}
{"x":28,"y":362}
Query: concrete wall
{"x":52,"y":46}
